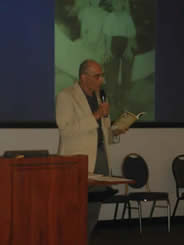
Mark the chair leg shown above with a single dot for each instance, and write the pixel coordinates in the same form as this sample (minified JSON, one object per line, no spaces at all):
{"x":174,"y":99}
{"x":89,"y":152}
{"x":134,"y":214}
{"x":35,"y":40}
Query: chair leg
{"x":169,"y":215}
{"x":129,"y":210}
{"x":116,"y":210}
{"x":140,"y":216}
{"x":152,"y":209}
{"x":124,"y":210}
{"x":175,"y":207}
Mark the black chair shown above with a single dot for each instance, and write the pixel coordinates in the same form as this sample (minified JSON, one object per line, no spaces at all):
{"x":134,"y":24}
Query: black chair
{"x":135,"y":167}
{"x":118,"y":200}
{"x":178,"y":172}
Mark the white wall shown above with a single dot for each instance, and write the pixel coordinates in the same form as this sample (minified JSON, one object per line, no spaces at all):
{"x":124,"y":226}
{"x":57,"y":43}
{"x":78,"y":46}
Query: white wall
{"x":157,"y":146}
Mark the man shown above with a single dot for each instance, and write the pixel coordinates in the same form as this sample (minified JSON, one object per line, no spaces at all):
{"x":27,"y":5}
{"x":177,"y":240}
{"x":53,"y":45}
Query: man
{"x":84,"y":125}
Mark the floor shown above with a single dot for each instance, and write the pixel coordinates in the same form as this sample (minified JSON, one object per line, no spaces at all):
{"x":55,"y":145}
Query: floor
{"x":155,"y":232}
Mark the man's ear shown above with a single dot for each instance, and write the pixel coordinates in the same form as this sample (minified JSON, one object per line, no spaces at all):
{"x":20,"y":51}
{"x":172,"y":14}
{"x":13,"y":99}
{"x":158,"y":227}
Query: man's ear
{"x":83,"y":77}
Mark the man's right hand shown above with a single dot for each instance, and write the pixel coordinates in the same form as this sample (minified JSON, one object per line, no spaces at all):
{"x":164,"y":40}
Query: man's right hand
{"x":103,"y":111}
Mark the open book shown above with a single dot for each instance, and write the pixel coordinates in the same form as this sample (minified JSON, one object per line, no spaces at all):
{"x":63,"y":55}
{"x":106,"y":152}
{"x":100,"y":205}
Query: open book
{"x":126,"y":120}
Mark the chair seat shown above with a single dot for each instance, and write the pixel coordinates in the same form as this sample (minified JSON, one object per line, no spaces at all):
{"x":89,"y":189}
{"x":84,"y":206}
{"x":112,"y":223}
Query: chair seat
{"x":117,"y":199}
{"x":148,"y":196}
{"x":101,"y":196}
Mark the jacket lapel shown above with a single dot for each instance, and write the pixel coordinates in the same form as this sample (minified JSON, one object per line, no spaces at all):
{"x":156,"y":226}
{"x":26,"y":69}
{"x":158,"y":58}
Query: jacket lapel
{"x":80,"y":98}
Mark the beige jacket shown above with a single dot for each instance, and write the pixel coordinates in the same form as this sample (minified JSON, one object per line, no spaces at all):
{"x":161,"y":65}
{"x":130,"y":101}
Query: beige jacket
{"x":78,"y":127}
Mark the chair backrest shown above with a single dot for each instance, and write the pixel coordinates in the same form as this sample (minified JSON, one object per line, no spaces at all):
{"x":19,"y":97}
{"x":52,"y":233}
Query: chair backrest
{"x":178,"y":170}
{"x":26,"y":153}
{"x":135,"y":167}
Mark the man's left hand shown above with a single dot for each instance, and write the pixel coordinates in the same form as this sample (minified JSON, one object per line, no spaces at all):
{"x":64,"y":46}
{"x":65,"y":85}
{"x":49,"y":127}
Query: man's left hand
{"x":117,"y":132}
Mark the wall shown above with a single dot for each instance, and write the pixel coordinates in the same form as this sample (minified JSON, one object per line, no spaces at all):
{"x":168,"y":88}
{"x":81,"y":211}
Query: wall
{"x":157,"y":146}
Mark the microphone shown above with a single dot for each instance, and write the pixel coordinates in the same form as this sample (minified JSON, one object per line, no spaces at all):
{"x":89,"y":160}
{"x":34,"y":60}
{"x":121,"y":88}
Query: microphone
{"x":102,"y":95}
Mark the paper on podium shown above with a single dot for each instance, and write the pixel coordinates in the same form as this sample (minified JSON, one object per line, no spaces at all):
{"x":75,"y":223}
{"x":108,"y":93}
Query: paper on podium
{"x":110,"y":179}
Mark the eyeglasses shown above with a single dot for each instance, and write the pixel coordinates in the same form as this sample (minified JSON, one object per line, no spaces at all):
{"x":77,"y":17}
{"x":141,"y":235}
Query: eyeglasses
{"x":96,"y":76}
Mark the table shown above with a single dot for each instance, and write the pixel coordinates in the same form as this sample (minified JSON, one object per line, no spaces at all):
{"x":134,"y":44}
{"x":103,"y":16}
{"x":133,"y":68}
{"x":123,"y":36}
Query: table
{"x":107,"y":180}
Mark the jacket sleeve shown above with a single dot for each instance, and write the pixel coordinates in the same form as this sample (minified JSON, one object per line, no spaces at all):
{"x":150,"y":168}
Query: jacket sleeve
{"x":68,"y":120}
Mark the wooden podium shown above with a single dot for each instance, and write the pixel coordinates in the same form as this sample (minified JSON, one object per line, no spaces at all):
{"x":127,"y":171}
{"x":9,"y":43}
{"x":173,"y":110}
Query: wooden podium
{"x":43,"y":200}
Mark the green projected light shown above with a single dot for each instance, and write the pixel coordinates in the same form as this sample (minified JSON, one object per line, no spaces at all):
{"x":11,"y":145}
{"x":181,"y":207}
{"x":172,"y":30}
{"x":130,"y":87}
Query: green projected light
{"x":119,"y":34}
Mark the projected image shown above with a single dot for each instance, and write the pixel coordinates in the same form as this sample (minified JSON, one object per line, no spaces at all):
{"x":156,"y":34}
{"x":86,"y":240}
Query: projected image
{"x":120,"y":34}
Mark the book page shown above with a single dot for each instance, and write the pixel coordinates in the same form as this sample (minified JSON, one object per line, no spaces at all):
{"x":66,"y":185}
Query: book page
{"x":139,"y":115}
{"x":126,"y":120}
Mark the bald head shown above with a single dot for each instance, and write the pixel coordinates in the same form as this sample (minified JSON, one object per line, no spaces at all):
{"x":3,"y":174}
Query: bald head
{"x":91,"y":76}
{"x":86,"y":66}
